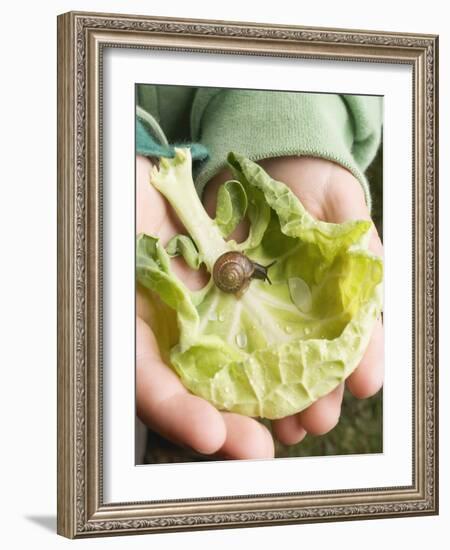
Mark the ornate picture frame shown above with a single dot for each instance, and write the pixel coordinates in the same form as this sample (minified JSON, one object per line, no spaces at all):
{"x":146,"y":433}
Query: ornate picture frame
{"x":82,"y":39}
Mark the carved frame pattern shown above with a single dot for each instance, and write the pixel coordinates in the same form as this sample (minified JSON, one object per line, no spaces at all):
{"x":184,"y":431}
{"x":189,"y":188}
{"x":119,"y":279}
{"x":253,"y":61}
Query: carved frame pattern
{"x":81,"y":37}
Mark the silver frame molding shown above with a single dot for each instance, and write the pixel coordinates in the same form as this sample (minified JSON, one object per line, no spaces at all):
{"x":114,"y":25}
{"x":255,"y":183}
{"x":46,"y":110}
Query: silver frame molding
{"x":81,"y":39}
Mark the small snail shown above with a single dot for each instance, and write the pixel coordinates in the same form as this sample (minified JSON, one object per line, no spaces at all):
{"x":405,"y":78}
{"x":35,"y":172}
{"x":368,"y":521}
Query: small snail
{"x":233,"y":272}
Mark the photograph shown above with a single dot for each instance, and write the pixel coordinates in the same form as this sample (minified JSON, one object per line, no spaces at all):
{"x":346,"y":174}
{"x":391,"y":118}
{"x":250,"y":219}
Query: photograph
{"x":259,"y":274}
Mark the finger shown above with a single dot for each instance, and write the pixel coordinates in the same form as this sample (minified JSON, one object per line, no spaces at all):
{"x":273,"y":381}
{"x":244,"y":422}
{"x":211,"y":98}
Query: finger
{"x":323,"y":415}
{"x":147,"y":200}
{"x":368,"y":377}
{"x":246,"y":438}
{"x":288,"y":430}
{"x":154,"y":215}
{"x":166,"y":406}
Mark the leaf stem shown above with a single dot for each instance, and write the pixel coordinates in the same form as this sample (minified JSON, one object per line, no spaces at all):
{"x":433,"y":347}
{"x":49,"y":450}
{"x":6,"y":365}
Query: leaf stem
{"x":174,"y":180}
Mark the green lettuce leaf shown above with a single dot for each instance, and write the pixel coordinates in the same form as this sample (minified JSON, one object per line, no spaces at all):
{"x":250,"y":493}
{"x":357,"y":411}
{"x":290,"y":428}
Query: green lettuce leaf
{"x":279,"y":347}
{"x":231,"y":206}
{"x":181,"y":245}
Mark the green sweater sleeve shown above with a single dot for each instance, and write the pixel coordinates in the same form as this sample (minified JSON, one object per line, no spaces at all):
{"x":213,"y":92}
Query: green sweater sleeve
{"x":260,"y":124}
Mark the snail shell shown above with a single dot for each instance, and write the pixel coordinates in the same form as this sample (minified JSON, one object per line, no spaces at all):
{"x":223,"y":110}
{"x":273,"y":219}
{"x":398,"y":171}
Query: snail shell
{"x":232,"y":272}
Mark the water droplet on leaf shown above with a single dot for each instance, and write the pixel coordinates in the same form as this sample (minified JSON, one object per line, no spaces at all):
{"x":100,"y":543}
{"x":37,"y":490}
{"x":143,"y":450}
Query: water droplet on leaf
{"x":241,"y":339}
{"x":300,"y":294}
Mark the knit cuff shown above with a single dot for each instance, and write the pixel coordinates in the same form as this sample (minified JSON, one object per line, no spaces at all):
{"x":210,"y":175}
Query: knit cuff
{"x":273,"y":124}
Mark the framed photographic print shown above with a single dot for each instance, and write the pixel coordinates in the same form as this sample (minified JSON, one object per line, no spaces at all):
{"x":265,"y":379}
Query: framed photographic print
{"x":247,"y":284}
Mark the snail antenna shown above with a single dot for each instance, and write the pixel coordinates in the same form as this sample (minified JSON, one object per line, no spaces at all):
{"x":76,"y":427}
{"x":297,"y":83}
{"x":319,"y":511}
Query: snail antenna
{"x":267,"y":267}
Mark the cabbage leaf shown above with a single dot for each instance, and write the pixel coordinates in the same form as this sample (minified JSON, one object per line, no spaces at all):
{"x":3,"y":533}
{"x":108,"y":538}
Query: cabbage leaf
{"x":279,"y":347}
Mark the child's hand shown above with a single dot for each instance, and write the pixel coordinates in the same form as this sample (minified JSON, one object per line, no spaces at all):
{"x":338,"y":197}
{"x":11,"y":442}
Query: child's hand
{"x":330,"y":193}
{"x":163,"y":403}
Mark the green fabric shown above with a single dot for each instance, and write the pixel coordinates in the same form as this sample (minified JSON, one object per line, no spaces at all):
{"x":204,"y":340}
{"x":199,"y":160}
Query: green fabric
{"x":260,"y":124}
{"x":148,"y":145}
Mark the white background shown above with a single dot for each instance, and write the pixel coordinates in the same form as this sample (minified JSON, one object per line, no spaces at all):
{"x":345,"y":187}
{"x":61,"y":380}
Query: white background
{"x":28,"y":275}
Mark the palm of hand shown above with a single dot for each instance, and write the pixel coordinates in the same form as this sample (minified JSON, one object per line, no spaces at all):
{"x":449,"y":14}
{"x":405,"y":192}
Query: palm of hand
{"x":330,"y":193}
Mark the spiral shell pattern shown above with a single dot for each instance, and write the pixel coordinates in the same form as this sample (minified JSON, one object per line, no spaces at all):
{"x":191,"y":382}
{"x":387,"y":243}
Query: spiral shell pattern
{"x":232,"y":272}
